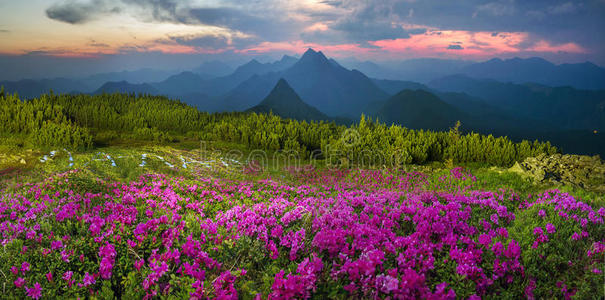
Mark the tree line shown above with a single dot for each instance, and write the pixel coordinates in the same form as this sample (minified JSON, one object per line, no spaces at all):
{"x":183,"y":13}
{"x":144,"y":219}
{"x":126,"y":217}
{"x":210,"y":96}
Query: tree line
{"x":78,"y":121}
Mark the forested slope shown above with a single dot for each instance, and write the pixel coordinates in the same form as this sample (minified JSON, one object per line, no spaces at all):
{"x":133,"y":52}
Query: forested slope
{"x":80,"y":121}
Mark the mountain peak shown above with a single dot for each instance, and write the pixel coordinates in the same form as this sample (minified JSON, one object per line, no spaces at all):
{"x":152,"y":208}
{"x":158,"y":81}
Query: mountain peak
{"x":282,"y":92}
{"x":281,"y":84}
{"x":287,"y":58}
{"x":313,"y":56}
{"x":310,"y":51}
{"x":284,"y":63}
{"x":249,"y":68}
{"x":285,"y":102}
{"x":254,"y":62}
{"x":494,"y":60}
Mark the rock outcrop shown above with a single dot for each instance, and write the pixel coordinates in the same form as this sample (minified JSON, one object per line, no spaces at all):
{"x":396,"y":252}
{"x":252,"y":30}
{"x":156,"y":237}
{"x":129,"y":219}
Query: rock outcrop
{"x":578,"y":170}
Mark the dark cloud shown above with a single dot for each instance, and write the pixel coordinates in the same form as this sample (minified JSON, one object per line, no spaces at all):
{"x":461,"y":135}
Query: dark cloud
{"x":454,"y":47}
{"x":79,"y":12}
{"x":258,"y":18}
{"x":224,"y":17}
{"x":501,"y":8}
{"x":4,"y":31}
{"x":73,"y":12}
{"x":359,"y":33}
{"x":335,"y":3}
{"x":209,"y":41}
{"x":369,"y":31}
{"x":558,"y":21}
{"x":555,"y":21}
{"x":363,"y":21}
{"x":563,"y":8}
{"x":159,"y":10}
{"x":213,"y":42}
{"x":358,"y":21}
{"x":273,"y":28}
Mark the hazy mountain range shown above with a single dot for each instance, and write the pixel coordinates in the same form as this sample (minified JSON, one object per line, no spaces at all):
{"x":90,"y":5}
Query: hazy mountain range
{"x":323,"y":83}
{"x":516,"y":70}
{"x":522,"y":98}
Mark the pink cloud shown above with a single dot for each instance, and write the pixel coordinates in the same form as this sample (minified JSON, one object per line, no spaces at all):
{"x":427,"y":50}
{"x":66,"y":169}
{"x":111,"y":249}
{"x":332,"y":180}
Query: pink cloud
{"x":436,"y":42}
{"x":474,"y":44}
{"x":544,"y":46}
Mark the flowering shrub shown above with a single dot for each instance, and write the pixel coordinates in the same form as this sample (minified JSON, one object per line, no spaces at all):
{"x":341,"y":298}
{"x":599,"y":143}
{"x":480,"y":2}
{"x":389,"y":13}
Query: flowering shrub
{"x":340,"y":234}
{"x":565,"y":251}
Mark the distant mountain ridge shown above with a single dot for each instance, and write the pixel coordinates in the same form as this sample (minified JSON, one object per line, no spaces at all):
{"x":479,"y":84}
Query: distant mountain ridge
{"x":516,"y":70}
{"x":393,"y":87}
{"x":568,"y":107}
{"x":145,"y":75}
{"x":222,"y":85}
{"x":538,"y":70}
{"x":418,"y":69}
{"x":126,"y":87}
{"x":211,"y":69}
{"x":179,"y":84}
{"x":31,"y":88}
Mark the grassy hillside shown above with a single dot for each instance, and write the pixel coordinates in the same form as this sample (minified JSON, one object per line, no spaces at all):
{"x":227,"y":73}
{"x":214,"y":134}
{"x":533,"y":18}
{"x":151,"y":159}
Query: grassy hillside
{"x":136,"y":221}
{"x":124,"y":196}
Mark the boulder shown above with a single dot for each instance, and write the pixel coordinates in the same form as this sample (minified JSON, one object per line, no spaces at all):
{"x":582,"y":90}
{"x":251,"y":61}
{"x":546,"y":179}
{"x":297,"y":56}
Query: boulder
{"x":576,"y":170}
{"x":518,"y":168}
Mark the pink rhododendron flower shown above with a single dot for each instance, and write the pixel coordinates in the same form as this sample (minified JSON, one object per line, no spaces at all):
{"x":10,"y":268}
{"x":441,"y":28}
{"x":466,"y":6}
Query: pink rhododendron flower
{"x":19,"y":282}
{"x":25,"y":267}
{"x":550,"y":228}
{"x":107,"y":254}
{"x":35,"y":292}
{"x":87,"y":280}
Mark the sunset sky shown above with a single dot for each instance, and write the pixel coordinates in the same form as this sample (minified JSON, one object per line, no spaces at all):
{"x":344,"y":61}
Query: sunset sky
{"x":145,"y":31}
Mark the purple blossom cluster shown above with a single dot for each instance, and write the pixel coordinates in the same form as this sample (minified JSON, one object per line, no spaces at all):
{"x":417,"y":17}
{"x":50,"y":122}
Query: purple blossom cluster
{"x":357,"y":234}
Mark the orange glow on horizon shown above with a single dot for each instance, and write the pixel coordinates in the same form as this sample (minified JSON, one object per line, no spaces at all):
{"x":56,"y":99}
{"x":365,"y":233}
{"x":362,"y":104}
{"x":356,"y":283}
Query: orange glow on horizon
{"x":433,"y":43}
{"x":299,"y":47}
